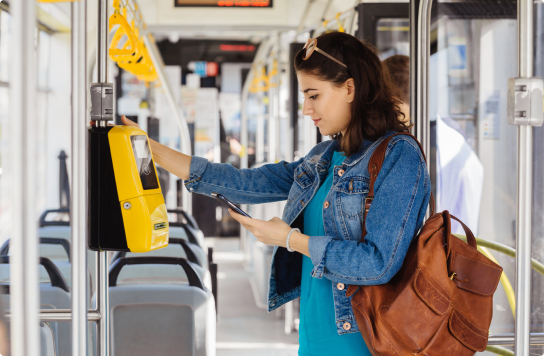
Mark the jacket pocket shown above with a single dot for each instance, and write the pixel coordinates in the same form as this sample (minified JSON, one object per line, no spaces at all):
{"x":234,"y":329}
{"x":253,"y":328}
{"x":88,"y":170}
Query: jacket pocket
{"x":428,"y":305}
{"x":303,"y":176}
{"x":352,"y":191}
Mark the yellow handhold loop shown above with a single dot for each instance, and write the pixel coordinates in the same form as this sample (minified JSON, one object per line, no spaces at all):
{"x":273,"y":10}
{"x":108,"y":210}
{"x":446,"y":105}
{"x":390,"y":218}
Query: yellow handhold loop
{"x":340,"y":25}
{"x":256,"y":85}
{"x":127,"y":47}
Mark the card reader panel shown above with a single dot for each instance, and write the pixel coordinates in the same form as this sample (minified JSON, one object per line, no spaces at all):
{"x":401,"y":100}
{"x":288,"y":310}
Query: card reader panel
{"x":127,"y":210}
{"x":106,"y":229}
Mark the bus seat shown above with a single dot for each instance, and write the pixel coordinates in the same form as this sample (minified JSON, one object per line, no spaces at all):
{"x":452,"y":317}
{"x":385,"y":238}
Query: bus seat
{"x":47,"y":340}
{"x":53,"y":295}
{"x":161,"y":319}
{"x":56,"y":249}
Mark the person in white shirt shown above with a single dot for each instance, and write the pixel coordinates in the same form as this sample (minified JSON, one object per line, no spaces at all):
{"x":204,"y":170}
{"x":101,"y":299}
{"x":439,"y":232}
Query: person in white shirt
{"x":459,"y":172}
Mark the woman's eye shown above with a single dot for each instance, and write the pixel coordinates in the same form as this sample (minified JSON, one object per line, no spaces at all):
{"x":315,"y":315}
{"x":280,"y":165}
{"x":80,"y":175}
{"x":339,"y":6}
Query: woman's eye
{"x":313,"y":97}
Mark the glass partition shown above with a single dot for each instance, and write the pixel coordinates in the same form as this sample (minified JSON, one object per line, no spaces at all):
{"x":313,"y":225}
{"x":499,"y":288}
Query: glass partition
{"x":475,"y":161}
{"x":393,"y":37}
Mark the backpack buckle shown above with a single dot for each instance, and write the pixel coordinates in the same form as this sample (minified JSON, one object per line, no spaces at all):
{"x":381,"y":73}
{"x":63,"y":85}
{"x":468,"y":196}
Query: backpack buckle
{"x":368,"y":202}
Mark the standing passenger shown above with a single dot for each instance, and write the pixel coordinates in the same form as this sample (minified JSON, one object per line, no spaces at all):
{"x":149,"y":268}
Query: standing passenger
{"x":399,"y":70}
{"x":349,"y":97}
{"x":459,"y":172}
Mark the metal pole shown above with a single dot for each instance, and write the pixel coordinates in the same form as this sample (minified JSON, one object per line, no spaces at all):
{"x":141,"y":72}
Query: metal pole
{"x":102,"y":45}
{"x":304,"y":15}
{"x":259,"y":135}
{"x":244,"y":139}
{"x":508,"y":339}
{"x":60,"y":315}
{"x":24,"y":241}
{"x":78,"y":204}
{"x":421,"y":75}
{"x":102,"y":283}
{"x":413,"y":7}
{"x":272,"y":99}
{"x":178,"y":115}
{"x":326,"y":10}
{"x":243,"y":122}
{"x":352,"y":17}
{"x":525,"y":185}
{"x":102,"y":305}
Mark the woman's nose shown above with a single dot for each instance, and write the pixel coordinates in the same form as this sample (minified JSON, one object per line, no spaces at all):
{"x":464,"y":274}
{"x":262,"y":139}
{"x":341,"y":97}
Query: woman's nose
{"x":307,"y":108}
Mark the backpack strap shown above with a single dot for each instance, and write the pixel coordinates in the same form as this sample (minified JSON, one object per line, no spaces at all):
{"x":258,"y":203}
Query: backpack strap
{"x":374,"y":167}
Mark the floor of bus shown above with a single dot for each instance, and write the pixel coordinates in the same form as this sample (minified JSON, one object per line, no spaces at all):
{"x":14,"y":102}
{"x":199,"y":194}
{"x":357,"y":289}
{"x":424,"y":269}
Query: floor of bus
{"x":244,"y":329}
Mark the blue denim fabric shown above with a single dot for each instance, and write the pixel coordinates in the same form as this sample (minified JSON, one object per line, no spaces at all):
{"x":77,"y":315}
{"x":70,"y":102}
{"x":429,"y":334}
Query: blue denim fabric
{"x":402,"y":193}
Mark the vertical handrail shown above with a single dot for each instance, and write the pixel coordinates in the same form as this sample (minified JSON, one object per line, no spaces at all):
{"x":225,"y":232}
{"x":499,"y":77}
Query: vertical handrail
{"x":78,"y":162}
{"x":178,"y":115}
{"x":102,"y":293}
{"x":24,"y":241}
{"x":273,"y":100}
{"x":244,"y":133}
{"x":420,"y":111}
{"x":524,"y":189}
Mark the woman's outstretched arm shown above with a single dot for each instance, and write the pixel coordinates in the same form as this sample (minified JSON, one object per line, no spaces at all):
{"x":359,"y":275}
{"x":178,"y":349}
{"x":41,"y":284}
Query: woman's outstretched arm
{"x":173,"y":161}
{"x":267,"y":183}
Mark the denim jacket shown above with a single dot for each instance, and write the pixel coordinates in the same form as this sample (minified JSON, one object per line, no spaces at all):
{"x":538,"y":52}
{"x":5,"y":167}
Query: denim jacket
{"x":402,"y":191}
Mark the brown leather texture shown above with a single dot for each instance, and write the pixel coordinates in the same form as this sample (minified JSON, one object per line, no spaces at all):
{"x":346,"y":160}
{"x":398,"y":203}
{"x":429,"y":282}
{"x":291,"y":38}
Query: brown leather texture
{"x":441,"y":300}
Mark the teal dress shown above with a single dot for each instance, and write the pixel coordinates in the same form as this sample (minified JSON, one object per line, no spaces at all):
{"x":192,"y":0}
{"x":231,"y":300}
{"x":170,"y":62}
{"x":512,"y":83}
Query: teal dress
{"x":317,"y":329}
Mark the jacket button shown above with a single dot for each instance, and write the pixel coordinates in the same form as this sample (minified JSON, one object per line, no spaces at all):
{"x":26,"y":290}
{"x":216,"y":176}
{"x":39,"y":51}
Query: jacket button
{"x":347,"y":326}
{"x":326,"y":205}
{"x":340,"y":286}
{"x":341,"y":173}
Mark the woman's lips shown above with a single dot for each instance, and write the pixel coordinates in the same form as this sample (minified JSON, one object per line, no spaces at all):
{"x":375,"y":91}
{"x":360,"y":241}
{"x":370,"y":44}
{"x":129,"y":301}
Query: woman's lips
{"x":316,"y":121}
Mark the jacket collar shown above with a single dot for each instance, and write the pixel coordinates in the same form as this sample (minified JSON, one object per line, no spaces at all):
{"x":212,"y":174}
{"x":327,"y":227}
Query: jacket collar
{"x":367,"y":146}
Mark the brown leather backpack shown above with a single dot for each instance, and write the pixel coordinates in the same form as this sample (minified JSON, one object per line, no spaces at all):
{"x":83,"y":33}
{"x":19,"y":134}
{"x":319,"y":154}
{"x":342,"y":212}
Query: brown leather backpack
{"x":441,"y":300}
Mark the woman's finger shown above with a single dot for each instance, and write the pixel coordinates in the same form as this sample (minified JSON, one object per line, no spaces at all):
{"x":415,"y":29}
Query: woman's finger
{"x":128,"y":122}
{"x":244,"y":220}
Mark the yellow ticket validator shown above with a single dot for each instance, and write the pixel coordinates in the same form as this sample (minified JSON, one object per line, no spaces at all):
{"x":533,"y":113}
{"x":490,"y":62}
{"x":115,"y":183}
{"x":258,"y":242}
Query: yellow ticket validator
{"x":127,"y":210}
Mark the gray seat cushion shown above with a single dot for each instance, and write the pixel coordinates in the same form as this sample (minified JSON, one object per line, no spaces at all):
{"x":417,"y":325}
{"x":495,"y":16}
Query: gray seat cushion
{"x":161,"y":319}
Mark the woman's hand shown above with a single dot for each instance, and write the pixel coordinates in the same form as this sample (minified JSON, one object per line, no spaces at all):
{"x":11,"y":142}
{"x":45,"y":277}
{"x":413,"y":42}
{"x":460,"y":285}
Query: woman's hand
{"x":128,"y":122}
{"x":273,"y":232}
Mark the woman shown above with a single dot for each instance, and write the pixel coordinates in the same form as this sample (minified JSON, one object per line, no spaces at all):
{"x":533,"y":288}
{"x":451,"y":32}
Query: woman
{"x":349,"y":97}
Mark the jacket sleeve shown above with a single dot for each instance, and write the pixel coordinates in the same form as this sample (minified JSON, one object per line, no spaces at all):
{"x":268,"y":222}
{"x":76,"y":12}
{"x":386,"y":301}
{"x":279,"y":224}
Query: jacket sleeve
{"x":268,"y":183}
{"x":402,"y":192}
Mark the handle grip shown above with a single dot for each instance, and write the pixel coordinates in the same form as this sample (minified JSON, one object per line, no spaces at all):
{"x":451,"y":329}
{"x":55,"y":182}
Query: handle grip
{"x":190,"y":220}
{"x":191,"y":257}
{"x":56,"y":277}
{"x":192,"y":276}
{"x":4,"y":250}
{"x":43,"y":222}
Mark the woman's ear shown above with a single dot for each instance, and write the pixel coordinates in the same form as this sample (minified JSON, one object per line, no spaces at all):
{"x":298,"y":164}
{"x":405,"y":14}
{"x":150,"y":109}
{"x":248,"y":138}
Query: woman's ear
{"x":350,"y":86}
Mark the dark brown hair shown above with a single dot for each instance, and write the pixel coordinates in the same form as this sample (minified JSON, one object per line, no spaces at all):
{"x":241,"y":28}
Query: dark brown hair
{"x":376,"y":108}
{"x":399,"y":69}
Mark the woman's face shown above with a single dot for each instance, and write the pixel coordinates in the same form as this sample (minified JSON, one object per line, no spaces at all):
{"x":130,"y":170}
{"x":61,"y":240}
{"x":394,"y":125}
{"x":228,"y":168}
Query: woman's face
{"x":328,"y":105}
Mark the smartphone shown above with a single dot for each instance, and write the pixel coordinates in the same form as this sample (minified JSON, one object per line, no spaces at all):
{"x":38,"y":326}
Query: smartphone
{"x":230,"y":204}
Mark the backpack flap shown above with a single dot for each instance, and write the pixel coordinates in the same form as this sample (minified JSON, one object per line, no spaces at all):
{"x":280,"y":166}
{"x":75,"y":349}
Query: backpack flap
{"x":467,"y":333}
{"x":432,"y":293}
{"x":473,"y":271}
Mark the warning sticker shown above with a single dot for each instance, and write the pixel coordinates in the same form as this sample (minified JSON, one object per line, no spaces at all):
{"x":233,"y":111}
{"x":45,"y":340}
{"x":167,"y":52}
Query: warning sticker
{"x":161,"y":225}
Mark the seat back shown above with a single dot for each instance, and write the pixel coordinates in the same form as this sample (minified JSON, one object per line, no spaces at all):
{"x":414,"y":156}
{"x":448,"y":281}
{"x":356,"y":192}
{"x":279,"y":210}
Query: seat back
{"x":58,"y":251}
{"x":177,"y":247}
{"x":192,"y":237}
{"x":160,"y":319}
{"x":160,"y":273}
{"x":53,"y":295}
{"x":47,"y":340}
